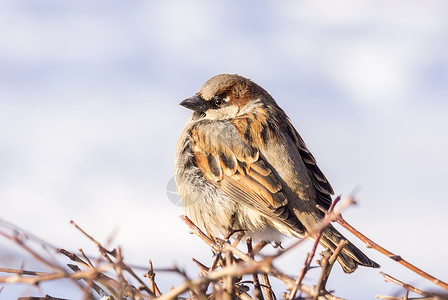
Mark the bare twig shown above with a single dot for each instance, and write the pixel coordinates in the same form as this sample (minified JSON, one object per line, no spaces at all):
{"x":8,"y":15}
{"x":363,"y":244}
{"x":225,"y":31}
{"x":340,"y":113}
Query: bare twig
{"x":225,"y":273}
{"x":267,"y":288}
{"x":152,"y":282}
{"x":53,"y":276}
{"x":265,"y":265}
{"x":107,"y":282}
{"x":436,"y":297}
{"x":408,"y":287}
{"x":228,"y":292}
{"x":306,"y":267}
{"x":259,"y":246}
{"x":95,"y":287}
{"x":85,"y":257}
{"x":257,"y":289}
{"x":23,"y":272}
{"x":46,"y":297}
{"x":200,"y":234}
{"x":238,"y":239}
{"x":326,"y":270}
{"x":119,"y":265}
{"x":370,"y":244}
{"x":74,"y":257}
{"x":19,"y":241}
{"x":330,"y":217}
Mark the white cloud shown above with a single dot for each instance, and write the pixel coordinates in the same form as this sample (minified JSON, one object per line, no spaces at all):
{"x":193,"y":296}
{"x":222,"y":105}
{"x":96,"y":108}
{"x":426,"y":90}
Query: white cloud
{"x":368,"y":72}
{"x":64,"y":37}
{"x":372,"y":52}
{"x":178,"y":24}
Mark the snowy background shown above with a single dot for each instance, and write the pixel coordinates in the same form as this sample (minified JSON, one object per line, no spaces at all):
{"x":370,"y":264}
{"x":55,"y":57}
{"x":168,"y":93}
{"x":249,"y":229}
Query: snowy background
{"x":89,"y":119}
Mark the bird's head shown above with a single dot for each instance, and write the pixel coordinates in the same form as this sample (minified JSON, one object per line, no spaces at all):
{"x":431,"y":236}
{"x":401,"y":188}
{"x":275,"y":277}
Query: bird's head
{"x":226,"y":97}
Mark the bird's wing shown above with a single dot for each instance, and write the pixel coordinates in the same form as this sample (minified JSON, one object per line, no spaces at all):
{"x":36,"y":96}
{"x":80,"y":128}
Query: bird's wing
{"x":320,"y":182}
{"x":257,"y":128}
{"x":240,"y":171}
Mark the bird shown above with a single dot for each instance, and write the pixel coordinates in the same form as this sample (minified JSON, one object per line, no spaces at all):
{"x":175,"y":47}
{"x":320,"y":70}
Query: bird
{"x":240,"y":163}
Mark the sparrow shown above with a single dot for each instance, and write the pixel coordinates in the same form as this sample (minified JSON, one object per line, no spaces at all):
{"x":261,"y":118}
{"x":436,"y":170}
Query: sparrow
{"x":241,"y":164}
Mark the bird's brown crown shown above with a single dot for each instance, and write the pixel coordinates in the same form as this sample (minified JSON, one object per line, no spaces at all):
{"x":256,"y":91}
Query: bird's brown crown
{"x":238,"y":89}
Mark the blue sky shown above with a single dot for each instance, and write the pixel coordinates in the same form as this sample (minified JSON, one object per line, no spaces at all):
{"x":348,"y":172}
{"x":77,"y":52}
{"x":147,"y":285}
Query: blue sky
{"x":89,"y":117}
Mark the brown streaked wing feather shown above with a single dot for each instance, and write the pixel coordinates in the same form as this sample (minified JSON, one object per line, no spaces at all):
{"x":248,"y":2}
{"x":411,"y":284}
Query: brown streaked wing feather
{"x":261,"y":167}
{"x":268,"y":181}
{"x":320,"y":182}
{"x":239,"y":189}
{"x":215,"y":168}
{"x":242,"y":174}
{"x":228,"y":163}
{"x":256,"y":128}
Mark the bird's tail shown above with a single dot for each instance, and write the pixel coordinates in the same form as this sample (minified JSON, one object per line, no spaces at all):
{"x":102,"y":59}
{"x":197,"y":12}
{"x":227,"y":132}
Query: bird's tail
{"x":350,"y":256}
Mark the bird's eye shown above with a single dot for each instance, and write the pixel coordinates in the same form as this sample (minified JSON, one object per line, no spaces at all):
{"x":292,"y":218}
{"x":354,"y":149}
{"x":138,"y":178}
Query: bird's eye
{"x":219,"y":101}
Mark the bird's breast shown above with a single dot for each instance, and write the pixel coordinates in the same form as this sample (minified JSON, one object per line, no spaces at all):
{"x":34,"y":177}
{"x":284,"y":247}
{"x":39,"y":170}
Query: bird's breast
{"x":207,"y":206}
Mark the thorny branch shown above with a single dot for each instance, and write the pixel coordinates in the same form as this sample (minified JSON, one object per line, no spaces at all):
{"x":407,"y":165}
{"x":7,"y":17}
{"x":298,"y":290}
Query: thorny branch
{"x":311,"y":254}
{"x":370,"y":244}
{"x":111,"y":278}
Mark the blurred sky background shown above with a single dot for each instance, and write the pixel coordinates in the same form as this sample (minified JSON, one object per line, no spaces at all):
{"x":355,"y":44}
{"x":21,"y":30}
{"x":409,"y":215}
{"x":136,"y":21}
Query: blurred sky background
{"x":89,"y":119}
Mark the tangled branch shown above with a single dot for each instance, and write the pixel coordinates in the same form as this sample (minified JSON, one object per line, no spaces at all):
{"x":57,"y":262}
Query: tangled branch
{"x":109,"y":277}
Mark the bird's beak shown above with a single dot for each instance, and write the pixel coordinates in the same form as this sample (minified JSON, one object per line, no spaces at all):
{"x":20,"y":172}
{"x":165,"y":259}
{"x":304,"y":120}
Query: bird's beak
{"x":195,"y":103}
